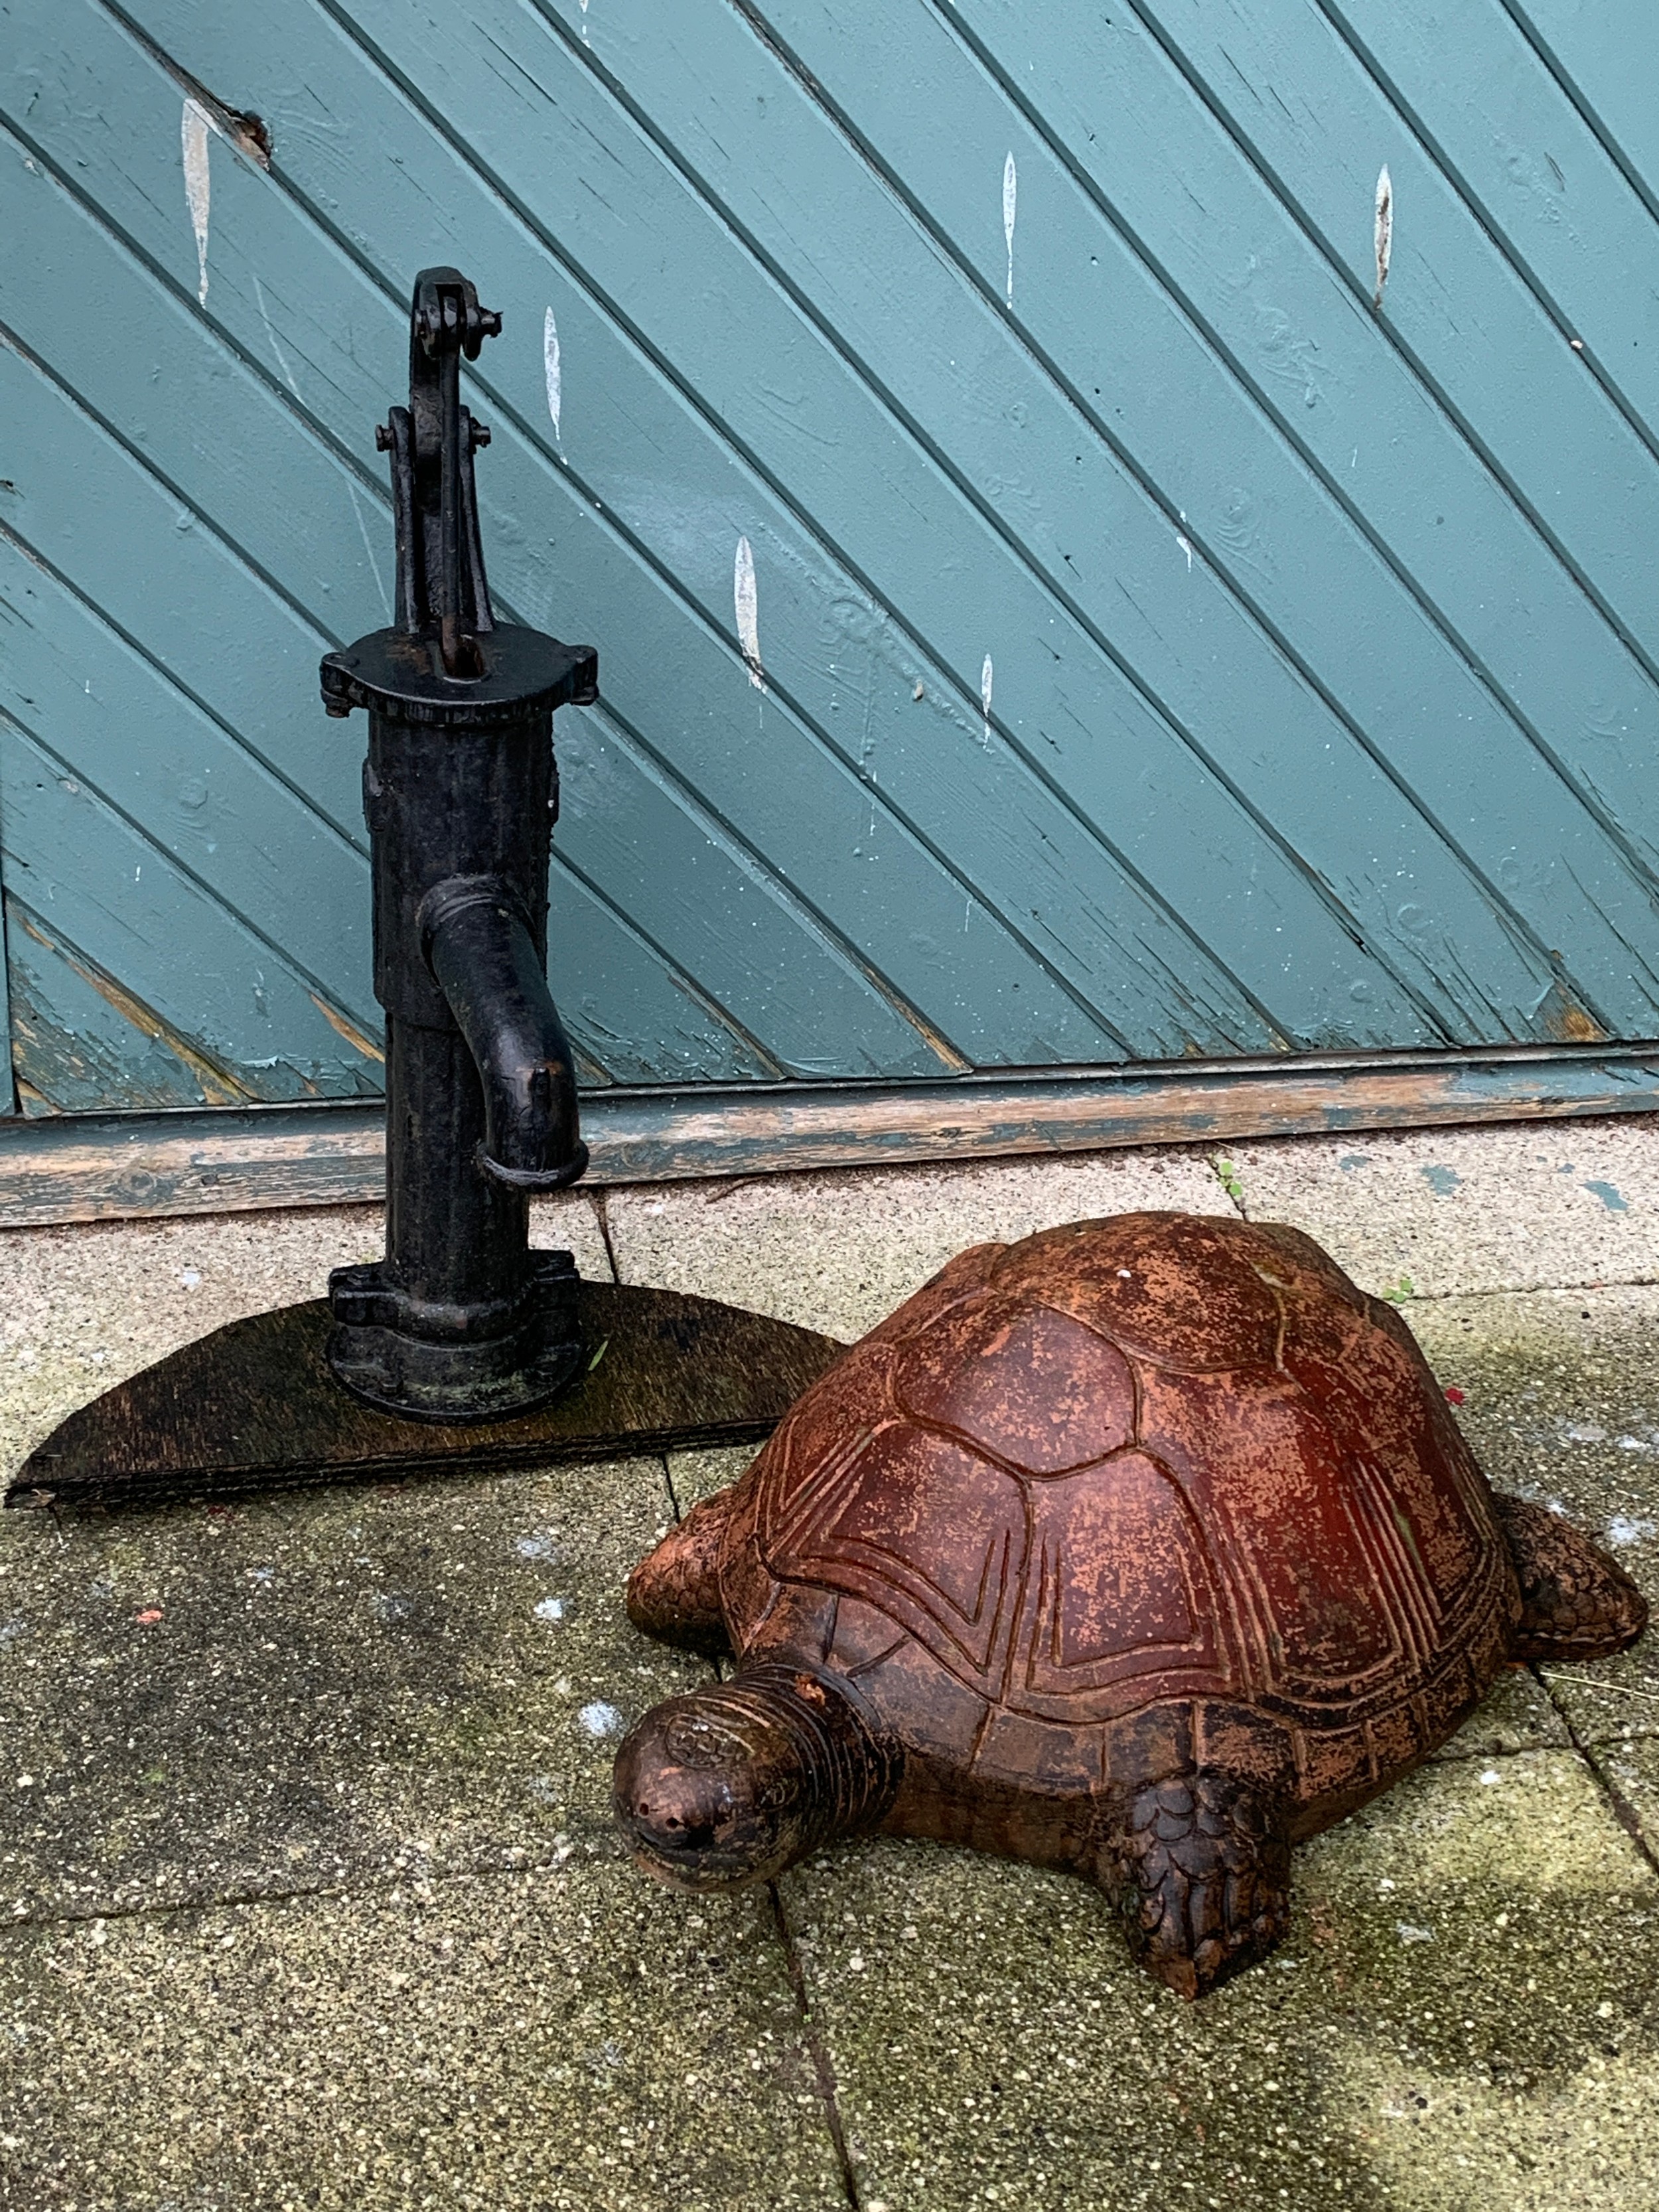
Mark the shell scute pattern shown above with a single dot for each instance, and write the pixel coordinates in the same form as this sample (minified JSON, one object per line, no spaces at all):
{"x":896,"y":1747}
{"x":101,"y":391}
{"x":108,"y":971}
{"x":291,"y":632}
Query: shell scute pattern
{"x":1053,"y":1468}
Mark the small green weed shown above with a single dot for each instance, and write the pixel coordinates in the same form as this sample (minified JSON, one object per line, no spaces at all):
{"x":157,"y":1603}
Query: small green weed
{"x":1229,"y":1181}
{"x":1397,"y":1293}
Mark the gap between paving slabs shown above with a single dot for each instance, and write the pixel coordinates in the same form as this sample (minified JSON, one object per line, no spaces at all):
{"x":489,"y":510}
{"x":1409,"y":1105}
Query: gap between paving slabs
{"x":691,"y":1477}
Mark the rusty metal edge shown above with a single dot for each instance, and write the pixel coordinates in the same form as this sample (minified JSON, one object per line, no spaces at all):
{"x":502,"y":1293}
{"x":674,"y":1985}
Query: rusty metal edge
{"x":102,"y":1167}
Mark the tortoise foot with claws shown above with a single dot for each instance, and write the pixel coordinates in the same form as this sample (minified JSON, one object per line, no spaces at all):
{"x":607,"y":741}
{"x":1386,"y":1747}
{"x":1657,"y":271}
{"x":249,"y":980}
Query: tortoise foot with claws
{"x":1146,"y":1546}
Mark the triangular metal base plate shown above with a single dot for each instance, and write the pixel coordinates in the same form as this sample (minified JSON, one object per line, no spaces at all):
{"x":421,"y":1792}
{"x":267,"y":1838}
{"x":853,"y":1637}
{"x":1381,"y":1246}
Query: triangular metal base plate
{"x":254,"y":1407}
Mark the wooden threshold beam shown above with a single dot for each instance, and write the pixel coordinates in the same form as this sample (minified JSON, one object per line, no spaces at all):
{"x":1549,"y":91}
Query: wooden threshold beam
{"x":100,"y":1167}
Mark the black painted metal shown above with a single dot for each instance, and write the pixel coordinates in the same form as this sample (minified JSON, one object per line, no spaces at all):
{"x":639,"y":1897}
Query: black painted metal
{"x":459,"y":1321}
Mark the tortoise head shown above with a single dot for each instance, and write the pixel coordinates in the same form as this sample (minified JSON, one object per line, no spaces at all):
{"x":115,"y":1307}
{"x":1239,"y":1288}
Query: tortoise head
{"x":734,"y":1784}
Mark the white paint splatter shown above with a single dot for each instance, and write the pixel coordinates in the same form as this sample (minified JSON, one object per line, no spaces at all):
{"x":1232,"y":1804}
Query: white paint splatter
{"x":1407,"y":1934}
{"x":985,"y":679}
{"x":600,"y":1719}
{"x":194,"y":126}
{"x":1010,"y":197}
{"x":1384,"y":234}
{"x":550,"y":363}
{"x":1187,"y":549}
{"x":1631,"y":1529}
{"x":748,"y":611}
{"x":550,"y":1609}
{"x":1491,"y":1778}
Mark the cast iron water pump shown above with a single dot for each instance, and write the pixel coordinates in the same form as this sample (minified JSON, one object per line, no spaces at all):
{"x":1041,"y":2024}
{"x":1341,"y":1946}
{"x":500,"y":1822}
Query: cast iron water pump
{"x":459,"y":1321}
{"x":462,"y":1347}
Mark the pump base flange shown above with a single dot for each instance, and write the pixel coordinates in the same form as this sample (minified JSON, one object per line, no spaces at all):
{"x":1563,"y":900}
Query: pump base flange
{"x":254,"y":1406}
{"x":377,"y":1349}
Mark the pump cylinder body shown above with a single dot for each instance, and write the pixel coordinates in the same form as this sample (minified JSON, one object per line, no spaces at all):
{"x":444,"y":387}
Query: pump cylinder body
{"x":461,"y":1320}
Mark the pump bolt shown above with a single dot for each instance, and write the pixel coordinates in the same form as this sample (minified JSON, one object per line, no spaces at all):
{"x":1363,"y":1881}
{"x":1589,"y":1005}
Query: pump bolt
{"x":383,"y":437}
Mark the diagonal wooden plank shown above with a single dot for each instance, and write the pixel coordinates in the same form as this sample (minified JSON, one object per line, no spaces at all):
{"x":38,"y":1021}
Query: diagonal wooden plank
{"x":858,"y":474}
{"x":1487,"y":349}
{"x":126,"y":731}
{"x":1474,"y":333}
{"x":1101,"y":319}
{"x":913,"y":888}
{"x":668,"y":477}
{"x":632,"y":1015}
{"x":171,"y":585}
{"x":1603,"y":58}
{"x":77,"y":1044}
{"x":1535,"y":169}
{"x":687,"y":887}
{"x":102,"y":890}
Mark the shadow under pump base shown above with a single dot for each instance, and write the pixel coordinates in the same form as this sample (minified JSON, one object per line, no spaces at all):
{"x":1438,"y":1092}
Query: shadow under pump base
{"x":462,"y":1347}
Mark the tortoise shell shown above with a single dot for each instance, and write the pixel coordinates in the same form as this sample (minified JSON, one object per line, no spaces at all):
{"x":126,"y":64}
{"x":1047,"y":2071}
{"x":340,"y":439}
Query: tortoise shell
{"x":1158,"y":1463}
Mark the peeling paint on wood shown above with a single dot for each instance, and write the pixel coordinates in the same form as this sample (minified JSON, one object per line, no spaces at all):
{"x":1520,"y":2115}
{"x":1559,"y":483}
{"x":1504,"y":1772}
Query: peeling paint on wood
{"x":1010,"y":204}
{"x":193,"y":131}
{"x":552,"y":372}
{"x":747,"y":605}
{"x":79,"y":1041}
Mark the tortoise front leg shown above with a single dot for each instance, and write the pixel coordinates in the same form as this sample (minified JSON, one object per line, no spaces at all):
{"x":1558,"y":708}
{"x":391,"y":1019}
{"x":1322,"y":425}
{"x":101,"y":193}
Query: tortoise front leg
{"x":1199,"y":1867}
{"x":734,"y":1782}
{"x":675,"y":1591}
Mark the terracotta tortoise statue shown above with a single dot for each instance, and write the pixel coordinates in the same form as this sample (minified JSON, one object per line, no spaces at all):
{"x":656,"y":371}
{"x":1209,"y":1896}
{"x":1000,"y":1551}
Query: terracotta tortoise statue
{"x":1146,"y":1546}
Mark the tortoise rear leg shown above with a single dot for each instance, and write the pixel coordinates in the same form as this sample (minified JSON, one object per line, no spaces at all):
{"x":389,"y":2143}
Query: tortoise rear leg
{"x":675,"y":1591}
{"x":1199,"y":1866}
{"x":1576,"y":1603}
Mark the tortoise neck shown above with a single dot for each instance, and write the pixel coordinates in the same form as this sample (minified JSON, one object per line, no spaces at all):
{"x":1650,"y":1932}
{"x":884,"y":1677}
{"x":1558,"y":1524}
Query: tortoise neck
{"x":849,"y":1770}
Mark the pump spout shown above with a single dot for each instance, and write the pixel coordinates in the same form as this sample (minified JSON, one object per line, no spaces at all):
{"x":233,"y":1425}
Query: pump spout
{"x":481,"y":951}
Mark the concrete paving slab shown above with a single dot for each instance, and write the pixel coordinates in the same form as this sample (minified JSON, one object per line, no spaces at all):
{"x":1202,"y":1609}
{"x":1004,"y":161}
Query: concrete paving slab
{"x":86,"y":1306}
{"x":576,"y":2038}
{"x":1560,"y":1400}
{"x":1463,"y":2016}
{"x":838,"y":1252}
{"x":319,"y":1690}
{"x":1514,"y":1207}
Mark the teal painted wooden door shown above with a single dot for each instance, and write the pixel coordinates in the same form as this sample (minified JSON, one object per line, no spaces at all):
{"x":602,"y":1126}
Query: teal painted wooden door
{"x":1115,"y":529}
